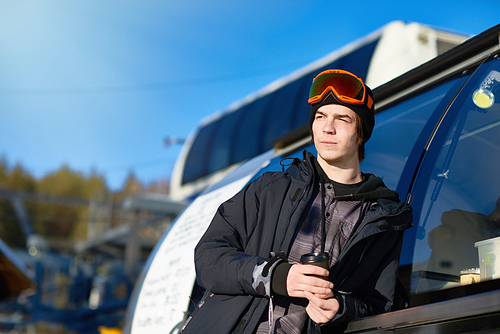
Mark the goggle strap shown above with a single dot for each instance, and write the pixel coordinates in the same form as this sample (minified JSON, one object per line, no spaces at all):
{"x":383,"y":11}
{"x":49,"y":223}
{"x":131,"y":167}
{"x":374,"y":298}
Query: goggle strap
{"x":369,"y":103}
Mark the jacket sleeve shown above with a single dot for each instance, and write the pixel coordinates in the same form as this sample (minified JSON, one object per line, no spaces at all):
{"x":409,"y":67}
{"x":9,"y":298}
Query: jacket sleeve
{"x":222,"y":263}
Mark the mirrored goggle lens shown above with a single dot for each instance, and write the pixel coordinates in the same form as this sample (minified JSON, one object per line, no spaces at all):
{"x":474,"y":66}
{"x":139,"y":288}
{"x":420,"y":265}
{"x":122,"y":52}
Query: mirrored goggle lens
{"x":345,"y":86}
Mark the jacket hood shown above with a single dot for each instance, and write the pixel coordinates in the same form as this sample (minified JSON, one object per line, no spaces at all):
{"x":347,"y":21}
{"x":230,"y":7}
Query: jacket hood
{"x":373,"y":189}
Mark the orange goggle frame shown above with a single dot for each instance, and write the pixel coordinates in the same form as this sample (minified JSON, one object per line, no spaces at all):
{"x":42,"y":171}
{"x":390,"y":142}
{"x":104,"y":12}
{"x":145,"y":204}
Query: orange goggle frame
{"x":345,"y":86}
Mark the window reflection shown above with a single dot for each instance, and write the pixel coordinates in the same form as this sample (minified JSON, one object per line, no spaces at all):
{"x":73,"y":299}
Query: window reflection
{"x":396,"y":130}
{"x":462,"y":203}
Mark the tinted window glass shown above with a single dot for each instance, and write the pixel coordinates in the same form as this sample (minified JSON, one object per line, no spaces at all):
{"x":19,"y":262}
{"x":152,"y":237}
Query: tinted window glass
{"x":198,"y":152}
{"x":280,"y":113}
{"x":248,"y":138}
{"x":219,"y":154}
{"x":396,"y":131}
{"x":460,"y":186}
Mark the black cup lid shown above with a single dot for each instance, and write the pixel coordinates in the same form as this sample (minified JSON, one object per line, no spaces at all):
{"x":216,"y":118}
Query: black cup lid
{"x":314,"y":257}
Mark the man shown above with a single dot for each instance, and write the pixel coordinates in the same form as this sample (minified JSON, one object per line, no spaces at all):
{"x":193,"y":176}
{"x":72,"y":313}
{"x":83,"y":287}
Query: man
{"x":249,"y":258}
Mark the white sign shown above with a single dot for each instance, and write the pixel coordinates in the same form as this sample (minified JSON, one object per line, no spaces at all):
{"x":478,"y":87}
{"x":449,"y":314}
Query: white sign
{"x":164,"y":296}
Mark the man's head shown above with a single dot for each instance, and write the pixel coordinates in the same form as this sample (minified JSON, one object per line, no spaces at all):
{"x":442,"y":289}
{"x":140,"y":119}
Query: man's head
{"x":345,"y":89}
{"x":336,"y":136}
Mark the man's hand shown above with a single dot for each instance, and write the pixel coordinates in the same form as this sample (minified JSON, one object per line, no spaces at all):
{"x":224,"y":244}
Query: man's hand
{"x":299,"y":281}
{"x":321,"y":310}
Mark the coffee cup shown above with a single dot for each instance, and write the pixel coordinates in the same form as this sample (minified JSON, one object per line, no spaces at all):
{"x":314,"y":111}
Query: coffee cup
{"x":321,"y":259}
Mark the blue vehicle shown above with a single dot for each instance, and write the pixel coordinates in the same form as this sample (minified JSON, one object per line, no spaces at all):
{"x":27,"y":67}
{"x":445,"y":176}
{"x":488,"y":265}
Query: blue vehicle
{"x":437,"y":142}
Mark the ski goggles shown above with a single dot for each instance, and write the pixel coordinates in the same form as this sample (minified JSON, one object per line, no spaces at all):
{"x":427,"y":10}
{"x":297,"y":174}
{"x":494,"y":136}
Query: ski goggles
{"x":346,"y":87}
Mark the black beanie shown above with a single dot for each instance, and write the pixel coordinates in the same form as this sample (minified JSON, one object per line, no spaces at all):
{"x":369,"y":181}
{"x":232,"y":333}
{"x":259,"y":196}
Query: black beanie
{"x":366,"y":114}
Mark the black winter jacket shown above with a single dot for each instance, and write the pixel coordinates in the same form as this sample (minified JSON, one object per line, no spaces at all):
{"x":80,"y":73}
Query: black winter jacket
{"x":260,"y":221}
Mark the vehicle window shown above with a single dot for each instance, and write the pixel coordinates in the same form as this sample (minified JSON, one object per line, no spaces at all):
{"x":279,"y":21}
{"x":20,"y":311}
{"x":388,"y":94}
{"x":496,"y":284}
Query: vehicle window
{"x":199,"y":151}
{"x":219,"y":155}
{"x":280,"y":115}
{"x":457,"y":237}
{"x":250,"y":127}
{"x":396,"y":130}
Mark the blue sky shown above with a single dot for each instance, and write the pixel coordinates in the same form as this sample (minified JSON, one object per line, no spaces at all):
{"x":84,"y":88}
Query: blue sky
{"x":98,"y":85}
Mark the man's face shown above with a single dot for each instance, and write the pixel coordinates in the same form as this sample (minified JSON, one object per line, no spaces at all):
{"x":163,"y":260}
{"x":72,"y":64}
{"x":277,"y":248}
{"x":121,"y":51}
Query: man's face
{"x":334,"y":135}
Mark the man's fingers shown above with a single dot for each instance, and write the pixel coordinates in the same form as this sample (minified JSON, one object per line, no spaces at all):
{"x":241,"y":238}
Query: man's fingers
{"x":307,"y":274}
{"x":313,"y":298}
{"x":299,"y":280}
{"x":308,"y":269}
{"x":321,"y":310}
{"x":327,"y":295}
{"x":318,"y":291}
